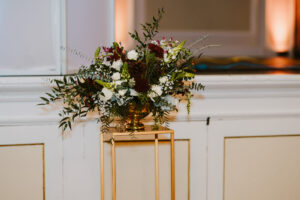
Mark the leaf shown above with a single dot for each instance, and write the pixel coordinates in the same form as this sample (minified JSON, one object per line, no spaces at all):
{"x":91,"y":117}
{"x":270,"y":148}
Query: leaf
{"x":45,"y":99}
{"x":179,"y":47}
{"x":178,"y":75}
{"x":97,"y":52}
{"x":125,"y":74}
{"x":116,"y":45}
{"x":189,"y":75}
{"x":104,"y":84}
{"x":70,"y":126}
{"x":150,"y":58}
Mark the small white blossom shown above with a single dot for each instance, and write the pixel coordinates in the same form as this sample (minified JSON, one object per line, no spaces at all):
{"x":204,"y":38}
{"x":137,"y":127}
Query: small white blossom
{"x":117,"y":65}
{"x":131,"y":82}
{"x":133,"y":92}
{"x":154,"y":42}
{"x":171,"y":100}
{"x":157,"y":89}
{"x":132,"y":55}
{"x":119,"y":82}
{"x":151,"y":95}
{"x":163,"y":79}
{"x":122,"y":92}
{"x":166,"y":108}
{"x":116,"y":76}
{"x":105,"y":62}
{"x":166,"y":59}
{"x":107,"y":94}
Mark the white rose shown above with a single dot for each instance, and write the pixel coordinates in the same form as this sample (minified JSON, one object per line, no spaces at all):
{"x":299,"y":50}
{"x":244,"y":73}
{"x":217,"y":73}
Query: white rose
{"x":107,"y":94}
{"x":132,"y":55}
{"x":163,"y":79}
{"x":157,"y":89}
{"x":117,"y":65}
{"x":122,"y":92}
{"x":116,"y":76}
{"x":133,"y":92}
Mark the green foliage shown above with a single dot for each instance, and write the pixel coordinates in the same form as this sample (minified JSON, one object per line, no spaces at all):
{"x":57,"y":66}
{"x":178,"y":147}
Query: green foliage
{"x":149,"y":30}
{"x":97,"y":52}
{"x":125,"y":74}
{"x":104,"y":84}
{"x":196,"y":86}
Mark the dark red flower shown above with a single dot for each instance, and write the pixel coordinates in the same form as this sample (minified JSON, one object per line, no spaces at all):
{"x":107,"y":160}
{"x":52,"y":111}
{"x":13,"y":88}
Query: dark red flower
{"x":157,"y":50}
{"x":137,"y":70}
{"x":108,"y":49}
{"x":117,"y":54}
{"x":141,"y":85}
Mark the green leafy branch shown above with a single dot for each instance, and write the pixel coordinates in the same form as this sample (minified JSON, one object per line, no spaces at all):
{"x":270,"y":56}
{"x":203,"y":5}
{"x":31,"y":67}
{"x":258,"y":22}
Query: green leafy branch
{"x":149,"y":30}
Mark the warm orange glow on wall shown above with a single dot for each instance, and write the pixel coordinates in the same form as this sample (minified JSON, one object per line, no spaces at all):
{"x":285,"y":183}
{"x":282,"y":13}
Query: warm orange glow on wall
{"x":124,"y":21}
{"x":280,"y":19}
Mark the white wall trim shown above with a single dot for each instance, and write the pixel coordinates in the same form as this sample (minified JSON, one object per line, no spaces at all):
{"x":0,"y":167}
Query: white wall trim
{"x":225,"y":96}
{"x":29,"y":89}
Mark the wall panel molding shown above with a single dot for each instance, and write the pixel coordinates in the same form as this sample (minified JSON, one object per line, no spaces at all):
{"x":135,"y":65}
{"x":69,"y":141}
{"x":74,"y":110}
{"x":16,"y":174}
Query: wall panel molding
{"x":225,"y":96}
{"x":220,"y":130}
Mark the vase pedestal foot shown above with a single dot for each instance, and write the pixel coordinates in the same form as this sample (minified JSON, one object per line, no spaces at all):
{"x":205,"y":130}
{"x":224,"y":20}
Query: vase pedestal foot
{"x":134,"y":126}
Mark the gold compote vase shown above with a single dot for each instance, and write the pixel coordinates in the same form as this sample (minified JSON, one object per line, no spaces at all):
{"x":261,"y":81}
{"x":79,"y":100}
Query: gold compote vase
{"x":135,"y":114}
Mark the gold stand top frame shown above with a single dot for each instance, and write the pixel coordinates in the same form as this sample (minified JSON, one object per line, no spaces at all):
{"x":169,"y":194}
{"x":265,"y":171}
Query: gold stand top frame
{"x":116,"y":134}
{"x":124,"y":135}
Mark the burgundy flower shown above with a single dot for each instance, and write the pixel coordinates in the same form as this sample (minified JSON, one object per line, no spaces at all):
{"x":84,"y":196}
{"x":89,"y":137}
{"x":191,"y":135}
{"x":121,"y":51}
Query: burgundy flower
{"x":137,"y":70}
{"x":141,"y":85}
{"x":108,"y":49}
{"x":157,"y":50}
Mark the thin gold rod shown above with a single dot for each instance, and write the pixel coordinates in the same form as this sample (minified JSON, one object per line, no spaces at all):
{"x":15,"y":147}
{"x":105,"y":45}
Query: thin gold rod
{"x":156,"y":169}
{"x":172,"y":167}
{"x":113,"y":157}
{"x":102,"y":164}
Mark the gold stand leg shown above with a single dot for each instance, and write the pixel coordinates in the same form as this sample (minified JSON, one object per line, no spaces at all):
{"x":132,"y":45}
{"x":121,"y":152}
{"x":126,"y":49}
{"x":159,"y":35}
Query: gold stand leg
{"x":172,"y":167}
{"x":102,"y":165}
{"x":156,"y":169}
{"x":113,"y":157}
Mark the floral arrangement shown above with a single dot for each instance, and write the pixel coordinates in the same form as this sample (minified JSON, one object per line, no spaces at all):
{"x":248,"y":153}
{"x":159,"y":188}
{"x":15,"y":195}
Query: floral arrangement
{"x":157,"y":73}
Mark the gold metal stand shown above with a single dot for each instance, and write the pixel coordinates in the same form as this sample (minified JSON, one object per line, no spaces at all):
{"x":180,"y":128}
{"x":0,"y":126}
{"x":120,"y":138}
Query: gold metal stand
{"x":116,"y":135}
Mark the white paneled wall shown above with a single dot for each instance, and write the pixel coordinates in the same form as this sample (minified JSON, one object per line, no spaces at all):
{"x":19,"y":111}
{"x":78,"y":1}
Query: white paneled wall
{"x":237,"y":106}
{"x":52,"y":37}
